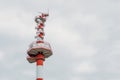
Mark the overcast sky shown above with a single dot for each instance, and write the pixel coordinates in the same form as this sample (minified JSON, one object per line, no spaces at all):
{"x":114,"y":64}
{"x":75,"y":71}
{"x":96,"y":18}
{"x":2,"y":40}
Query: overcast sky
{"x":84,"y":35}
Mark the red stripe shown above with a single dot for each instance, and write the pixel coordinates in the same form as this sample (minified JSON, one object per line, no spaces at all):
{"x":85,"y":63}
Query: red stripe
{"x":40,"y":59}
{"x":40,"y":62}
{"x":41,"y":25}
{"x":40,"y":42}
{"x":41,"y":35}
{"x":39,"y":79}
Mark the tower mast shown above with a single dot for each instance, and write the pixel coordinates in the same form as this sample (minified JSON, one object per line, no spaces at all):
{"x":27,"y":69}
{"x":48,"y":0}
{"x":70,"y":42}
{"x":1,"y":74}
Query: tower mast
{"x":39,"y":49}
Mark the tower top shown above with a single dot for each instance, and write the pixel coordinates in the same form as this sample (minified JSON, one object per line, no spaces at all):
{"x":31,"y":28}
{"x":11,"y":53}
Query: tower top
{"x":40,"y":20}
{"x":39,"y":46}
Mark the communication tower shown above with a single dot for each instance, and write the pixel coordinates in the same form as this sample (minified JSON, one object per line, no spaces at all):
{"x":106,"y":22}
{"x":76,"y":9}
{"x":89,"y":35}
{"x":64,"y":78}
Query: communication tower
{"x":39,"y":49}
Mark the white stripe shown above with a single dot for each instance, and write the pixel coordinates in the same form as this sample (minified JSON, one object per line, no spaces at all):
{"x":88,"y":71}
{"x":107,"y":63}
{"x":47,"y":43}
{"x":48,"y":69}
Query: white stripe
{"x":39,"y":71}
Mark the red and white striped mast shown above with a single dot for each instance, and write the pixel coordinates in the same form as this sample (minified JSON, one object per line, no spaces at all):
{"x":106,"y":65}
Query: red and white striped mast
{"x":39,"y":49}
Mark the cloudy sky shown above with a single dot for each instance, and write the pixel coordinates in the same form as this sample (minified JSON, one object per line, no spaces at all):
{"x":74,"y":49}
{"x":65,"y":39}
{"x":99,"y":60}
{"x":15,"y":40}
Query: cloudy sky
{"x":84,"y":35}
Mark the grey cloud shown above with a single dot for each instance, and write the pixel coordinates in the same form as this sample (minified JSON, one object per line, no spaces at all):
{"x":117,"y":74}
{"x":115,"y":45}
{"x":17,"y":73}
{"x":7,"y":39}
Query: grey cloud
{"x":96,"y":22}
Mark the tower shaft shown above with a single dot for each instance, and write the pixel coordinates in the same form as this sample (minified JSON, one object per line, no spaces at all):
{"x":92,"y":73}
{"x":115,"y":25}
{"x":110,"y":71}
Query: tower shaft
{"x":39,"y":66}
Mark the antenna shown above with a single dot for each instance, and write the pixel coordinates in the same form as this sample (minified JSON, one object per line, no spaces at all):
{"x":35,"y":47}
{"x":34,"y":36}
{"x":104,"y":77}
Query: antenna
{"x":39,"y":50}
